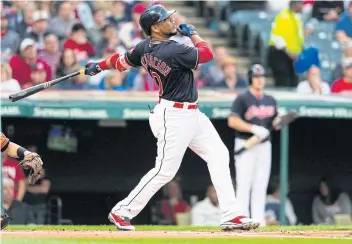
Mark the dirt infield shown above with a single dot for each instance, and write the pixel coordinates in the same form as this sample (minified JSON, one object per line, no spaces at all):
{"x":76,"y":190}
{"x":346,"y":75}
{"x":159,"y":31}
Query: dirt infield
{"x":176,"y":234}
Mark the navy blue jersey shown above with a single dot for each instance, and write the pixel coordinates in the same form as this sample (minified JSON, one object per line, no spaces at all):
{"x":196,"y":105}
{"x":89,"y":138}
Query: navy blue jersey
{"x":254,"y":111}
{"x":170,"y":64}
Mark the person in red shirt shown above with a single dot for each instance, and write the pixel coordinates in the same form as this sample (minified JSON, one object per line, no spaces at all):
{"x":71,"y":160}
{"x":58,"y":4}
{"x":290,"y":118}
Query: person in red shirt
{"x":344,"y":84}
{"x":21,"y":64}
{"x":79,"y":43}
{"x":12,"y":170}
{"x":173,"y":204}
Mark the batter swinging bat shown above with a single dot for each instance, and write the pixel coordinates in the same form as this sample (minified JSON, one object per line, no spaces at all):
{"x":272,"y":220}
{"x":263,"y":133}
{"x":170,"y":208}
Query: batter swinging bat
{"x":37,"y":88}
{"x":254,"y":140}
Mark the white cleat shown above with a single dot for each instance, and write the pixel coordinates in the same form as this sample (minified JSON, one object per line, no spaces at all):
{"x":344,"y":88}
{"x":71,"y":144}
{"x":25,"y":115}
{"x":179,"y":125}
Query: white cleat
{"x":240,"y":223}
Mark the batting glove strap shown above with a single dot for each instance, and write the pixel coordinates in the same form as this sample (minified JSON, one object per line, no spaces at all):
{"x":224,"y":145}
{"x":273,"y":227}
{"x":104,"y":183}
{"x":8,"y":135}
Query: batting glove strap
{"x":187,"y":30}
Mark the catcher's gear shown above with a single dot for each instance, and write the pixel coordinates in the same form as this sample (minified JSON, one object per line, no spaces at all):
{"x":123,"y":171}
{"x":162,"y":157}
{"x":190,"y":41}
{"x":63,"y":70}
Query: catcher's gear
{"x":5,"y":221}
{"x":254,"y":71}
{"x":153,"y":15}
{"x":187,"y":30}
{"x":34,"y":163}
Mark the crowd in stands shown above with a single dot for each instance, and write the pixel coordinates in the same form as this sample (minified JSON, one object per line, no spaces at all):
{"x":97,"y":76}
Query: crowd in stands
{"x":49,"y":39}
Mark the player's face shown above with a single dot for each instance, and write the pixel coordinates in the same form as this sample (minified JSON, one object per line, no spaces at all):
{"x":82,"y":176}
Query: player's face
{"x":167,"y":27}
{"x":258,"y":82}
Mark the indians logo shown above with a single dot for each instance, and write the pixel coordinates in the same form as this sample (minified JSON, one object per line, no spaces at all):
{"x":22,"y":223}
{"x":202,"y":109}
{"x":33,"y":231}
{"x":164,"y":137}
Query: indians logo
{"x":260,"y":112}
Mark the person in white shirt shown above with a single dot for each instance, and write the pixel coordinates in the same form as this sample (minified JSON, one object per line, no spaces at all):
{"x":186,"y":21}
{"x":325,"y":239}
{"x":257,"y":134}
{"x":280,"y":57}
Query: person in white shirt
{"x":313,"y":84}
{"x":207,"y":212}
{"x":8,"y":84}
{"x":272,"y":206}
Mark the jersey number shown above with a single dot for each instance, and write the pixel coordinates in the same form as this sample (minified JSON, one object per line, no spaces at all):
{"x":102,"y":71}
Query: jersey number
{"x":157,"y":79}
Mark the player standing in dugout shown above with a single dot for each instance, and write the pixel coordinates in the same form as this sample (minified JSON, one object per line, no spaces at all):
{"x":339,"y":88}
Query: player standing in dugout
{"x":254,"y":113}
{"x":175,"y":121}
{"x":29,"y":160}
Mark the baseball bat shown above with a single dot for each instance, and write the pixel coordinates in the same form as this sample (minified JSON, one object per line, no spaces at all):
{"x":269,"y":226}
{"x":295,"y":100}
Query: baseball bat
{"x":43,"y":86}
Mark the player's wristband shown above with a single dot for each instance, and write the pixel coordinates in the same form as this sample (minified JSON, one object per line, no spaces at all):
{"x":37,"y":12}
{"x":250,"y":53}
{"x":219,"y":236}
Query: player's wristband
{"x":20,"y":153}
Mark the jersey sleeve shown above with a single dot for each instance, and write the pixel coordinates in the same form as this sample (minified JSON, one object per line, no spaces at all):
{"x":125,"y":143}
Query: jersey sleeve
{"x":237,"y":107}
{"x":4,"y":141}
{"x":185,"y":57}
{"x":134,"y":55}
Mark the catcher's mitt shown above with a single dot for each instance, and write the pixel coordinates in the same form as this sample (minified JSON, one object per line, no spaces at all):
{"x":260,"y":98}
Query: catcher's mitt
{"x":33,"y":162}
{"x":5,"y":221}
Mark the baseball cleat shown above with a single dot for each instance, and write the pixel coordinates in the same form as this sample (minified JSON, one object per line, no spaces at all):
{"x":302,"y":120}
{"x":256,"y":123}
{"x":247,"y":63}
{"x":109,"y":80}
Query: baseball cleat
{"x":240,"y":223}
{"x":122,"y":223}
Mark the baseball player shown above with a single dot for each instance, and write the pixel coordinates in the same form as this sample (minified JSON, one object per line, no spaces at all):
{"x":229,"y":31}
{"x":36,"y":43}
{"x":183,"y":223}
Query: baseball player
{"x":29,"y":160}
{"x":253,"y":113}
{"x":175,"y":121}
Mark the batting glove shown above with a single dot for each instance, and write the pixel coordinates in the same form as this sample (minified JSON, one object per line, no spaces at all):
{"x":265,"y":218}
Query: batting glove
{"x":92,"y":69}
{"x":187,"y":30}
{"x":260,"y":132}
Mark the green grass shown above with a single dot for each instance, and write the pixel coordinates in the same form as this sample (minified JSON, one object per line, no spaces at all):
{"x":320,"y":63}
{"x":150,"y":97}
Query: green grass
{"x":172,"y":228}
{"x":175,"y":241}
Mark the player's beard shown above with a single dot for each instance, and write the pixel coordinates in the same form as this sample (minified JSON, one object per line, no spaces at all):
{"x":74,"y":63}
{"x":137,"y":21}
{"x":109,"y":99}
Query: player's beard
{"x":170,"y":34}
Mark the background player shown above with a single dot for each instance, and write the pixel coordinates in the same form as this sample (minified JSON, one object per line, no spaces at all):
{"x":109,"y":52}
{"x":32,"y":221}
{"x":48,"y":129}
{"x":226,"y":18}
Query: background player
{"x":176,"y":121}
{"x":253,"y":113}
{"x":28,"y":160}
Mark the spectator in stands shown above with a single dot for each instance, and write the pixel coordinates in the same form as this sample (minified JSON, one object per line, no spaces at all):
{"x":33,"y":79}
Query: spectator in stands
{"x":7,"y":83}
{"x":314,"y":83}
{"x":286,"y":42}
{"x":338,"y":71}
{"x":110,"y":40}
{"x":47,"y":7}
{"x":25,"y":60}
{"x":79,"y":43}
{"x":10,"y":40}
{"x":39,"y":28}
{"x":272,"y":206}
{"x":113,"y":81}
{"x":36,"y":198}
{"x":329,"y":202}
{"x":130,"y":33}
{"x":38,"y":75}
{"x":67,"y":61}
{"x":327,"y":10}
{"x":173,"y":203}
{"x":344,"y":84}
{"x":232,"y":79}
{"x":343,"y":27}
{"x":95,"y":34}
{"x":140,"y":80}
{"x":117,"y":16}
{"x":51,"y":54}
{"x":15,"y":174}
{"x":18,"y":210}
{"x":61,"y":25}
{"x":200,"y":82}
{"x":77,"y":83}
{"x":14,"y":15}
{"x":83,"y":13}
{"x":23,"y":27}
{"x":213,"y":72}
{"x":207,"y":212}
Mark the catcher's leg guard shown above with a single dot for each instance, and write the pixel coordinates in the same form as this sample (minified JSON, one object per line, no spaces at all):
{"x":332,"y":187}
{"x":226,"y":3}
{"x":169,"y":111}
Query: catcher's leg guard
{"x":5,"y":221}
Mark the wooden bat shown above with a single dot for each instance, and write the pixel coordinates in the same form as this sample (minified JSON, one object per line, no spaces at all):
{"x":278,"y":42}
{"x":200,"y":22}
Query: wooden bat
{"x":43,"y":86}
{"x":286,"y":119}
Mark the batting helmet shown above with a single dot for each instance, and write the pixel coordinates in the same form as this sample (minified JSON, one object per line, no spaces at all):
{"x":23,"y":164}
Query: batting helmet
{"x":153,"y":15}
{"x":255,"y":70}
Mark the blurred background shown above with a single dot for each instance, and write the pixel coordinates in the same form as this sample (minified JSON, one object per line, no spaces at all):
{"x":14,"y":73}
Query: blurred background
{"x":93,"y":133}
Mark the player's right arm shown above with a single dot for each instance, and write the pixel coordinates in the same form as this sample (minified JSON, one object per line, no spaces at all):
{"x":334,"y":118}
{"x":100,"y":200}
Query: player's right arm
{"x":236,"y":122}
